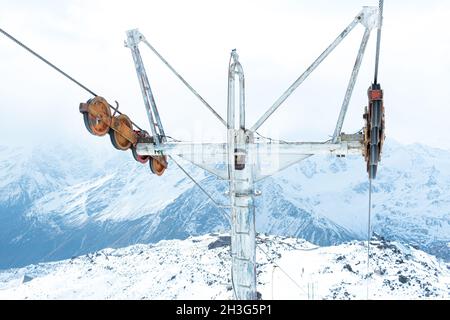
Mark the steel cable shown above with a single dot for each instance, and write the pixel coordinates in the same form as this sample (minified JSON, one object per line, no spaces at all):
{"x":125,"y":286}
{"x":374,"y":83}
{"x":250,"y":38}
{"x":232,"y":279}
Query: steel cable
{"x":59,"y":70}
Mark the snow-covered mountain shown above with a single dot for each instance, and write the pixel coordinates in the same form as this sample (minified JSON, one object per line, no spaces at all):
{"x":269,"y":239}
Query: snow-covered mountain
{"x":199,"y":268}
{"x":57,"y":202}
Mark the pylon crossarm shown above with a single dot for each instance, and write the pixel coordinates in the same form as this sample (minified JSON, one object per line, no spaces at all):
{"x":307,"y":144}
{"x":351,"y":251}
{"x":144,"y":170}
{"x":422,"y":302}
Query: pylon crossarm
{"x":342,"y":148}
{"x":274,"y":157}
{"x":218,"y":151}
{"x":266,"y":158}
{"x":180,"y":148}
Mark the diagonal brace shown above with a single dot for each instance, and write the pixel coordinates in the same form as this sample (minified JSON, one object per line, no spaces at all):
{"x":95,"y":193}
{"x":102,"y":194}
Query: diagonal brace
{"x":351,"y":85}
{"x":184,"y":81}
{"x":362,"y":17}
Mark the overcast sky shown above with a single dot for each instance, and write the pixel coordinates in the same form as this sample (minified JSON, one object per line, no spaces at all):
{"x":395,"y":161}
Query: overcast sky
{"x":276,"y":41}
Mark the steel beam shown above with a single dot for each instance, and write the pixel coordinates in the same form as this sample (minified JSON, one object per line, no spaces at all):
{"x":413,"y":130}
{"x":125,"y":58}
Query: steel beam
{"x":133,"y":39}
{"x":216,"y":151}
{"x":308,"y":71}
{"x":351,"y":85}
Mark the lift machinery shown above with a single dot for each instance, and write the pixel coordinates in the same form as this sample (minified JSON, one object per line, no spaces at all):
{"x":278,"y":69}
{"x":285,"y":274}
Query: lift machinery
{"x":246,"y":159}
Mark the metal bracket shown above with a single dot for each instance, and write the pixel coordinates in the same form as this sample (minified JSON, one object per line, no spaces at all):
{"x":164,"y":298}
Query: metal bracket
{"x":370,"y":17}
{"x":134,"y":37}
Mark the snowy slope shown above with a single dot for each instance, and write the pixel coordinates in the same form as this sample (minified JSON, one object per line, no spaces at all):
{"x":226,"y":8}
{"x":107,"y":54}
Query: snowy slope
{"x":198,"y":268}
{"x":27,"y":174}
{"x":57,"y":202}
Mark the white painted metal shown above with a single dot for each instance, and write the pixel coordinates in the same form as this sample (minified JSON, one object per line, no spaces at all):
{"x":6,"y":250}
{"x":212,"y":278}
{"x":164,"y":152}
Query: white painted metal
{"x":240,"y":172}
{"x":243,"y":161}
{"x":351,"y":85}
{"x":212,"y":153}
{"x":184,"y":81}
{"x":132,"y":42}
{"x":366,"y":17}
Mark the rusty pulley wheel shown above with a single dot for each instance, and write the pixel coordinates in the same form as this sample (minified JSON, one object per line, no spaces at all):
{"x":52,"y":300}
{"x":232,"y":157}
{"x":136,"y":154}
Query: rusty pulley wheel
{"x":158,"y":165}
{"x":374,"y":129}
{"x":142,"y":136}
{"x":139,"y":158}
{"x":97,"y":122}
{"x":119,"y":141}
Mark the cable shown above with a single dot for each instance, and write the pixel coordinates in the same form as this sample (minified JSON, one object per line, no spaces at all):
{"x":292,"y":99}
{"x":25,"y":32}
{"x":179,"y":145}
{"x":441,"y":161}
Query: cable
{"x":69,"y":237}
{"x":126,"y":234}
{"x":185,"y":82}
{"x":47,"y":62}
{"x":219,"y":206}
{"x":59,"y":70}
{"x":282,"y":270}
{"x":375,"y":81}
{"x":172,"y":138}
{"x":273,"y":272}
{"x":292,"y":142}
{"x":369,"y":236}
{"x":274,"y":140}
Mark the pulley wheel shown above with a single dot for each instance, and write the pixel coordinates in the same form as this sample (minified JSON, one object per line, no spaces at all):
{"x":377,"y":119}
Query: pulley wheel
{"x":119,"y":142}
{"x":86,"y":122}
{"x":158,"y":165}
{"x":139,"y":158}
{"x":98,"y":125}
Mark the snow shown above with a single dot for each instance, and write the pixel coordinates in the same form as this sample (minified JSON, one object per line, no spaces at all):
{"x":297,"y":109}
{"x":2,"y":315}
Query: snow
{"x":187,"y":269}
{"x":130,"y":192}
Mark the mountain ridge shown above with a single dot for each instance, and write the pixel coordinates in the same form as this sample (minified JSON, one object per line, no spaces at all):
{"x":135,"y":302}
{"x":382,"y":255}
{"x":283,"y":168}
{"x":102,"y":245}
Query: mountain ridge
{"x":76,"y":202}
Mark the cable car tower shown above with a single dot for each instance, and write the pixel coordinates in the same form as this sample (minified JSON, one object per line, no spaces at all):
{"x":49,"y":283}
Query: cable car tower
{"x":245,"y":159}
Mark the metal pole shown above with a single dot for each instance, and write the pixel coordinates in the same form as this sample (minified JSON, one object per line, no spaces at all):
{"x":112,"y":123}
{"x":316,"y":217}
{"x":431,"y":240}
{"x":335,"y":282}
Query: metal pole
{"x":243,"y":239}
{"x":241,"y":97}
{"x":147,"y":94}
{"x":240,"y":71}
{"x":136,"y":37}
{"x":243,"y":235}
{"x":231,"y":155}
{"x":351,"y":85}
{"x":231,"y":93}
{"x":231,"y":120}
{"x":308,"y":71}
{"x":184,"y":82}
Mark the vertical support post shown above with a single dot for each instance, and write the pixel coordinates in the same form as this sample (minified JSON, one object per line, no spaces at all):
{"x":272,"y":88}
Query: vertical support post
{"x":240,"y":171}
{"x":243,"y":234}
{"x":240,"y":71}
{"x":231,"y":121}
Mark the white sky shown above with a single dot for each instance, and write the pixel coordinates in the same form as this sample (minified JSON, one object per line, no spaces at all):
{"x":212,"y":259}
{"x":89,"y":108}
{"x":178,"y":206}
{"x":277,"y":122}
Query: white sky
{"x":276,"y":41}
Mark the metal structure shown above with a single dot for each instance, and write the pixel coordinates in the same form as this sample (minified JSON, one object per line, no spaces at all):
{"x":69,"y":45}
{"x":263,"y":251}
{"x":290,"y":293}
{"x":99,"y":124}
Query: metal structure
{"x":245,"y":159}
